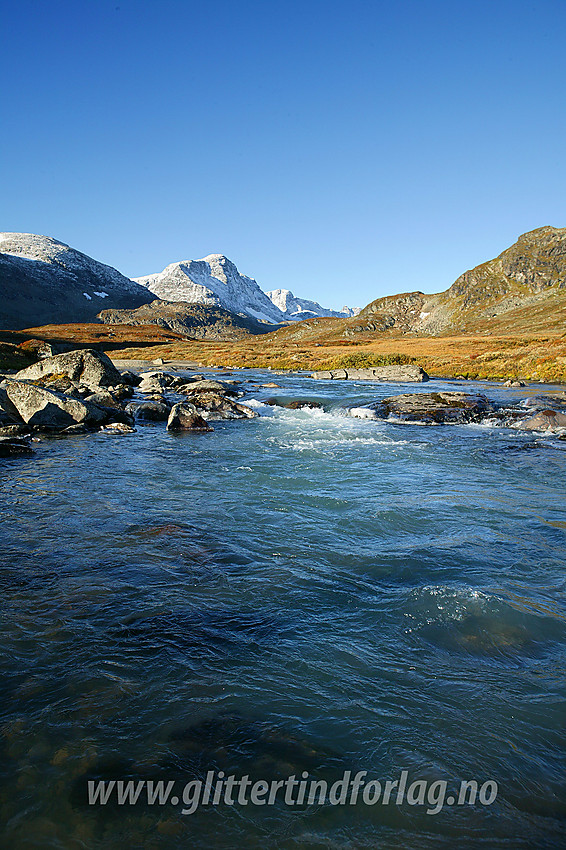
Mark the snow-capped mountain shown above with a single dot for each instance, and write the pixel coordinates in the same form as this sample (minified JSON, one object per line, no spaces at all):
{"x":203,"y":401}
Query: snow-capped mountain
{"x":216,"y":281}
{"x":44,"y":281}
{"x":296,"y":309}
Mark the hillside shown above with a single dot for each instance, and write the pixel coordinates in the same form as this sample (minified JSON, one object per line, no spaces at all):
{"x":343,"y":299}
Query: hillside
{"x":43,"y":281}
{"x":523,"y":289}
{"x":197,"y":321}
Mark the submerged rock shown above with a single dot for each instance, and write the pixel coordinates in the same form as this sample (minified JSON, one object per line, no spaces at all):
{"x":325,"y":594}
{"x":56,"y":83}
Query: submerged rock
{"x":13,"y":446}
{"x":185,"y":417}
{"x":260,"y":749}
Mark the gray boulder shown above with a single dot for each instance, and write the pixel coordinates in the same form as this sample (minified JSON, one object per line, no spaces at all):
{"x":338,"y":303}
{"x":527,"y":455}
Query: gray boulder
{"x":407,"y":373}
{"x":206,"y":386}
{"x":544,"y":420}
{"x":218,"y":406}
{"x":185,"y":417}
{"x":41,"y":408}
{"x":89,"y":367}
{"x":149,"y":411}
{"x":434,"y":408}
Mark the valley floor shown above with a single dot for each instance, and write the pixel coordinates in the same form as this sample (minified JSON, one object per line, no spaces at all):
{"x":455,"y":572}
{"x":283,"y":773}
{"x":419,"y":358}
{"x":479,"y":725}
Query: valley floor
{"x":487,"y":357}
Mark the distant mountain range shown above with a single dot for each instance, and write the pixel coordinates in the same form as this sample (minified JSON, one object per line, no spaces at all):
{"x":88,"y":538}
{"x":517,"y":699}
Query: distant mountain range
{"x":297,"y":309}
{"x":216,"y":281}
{"x":44,"y":281}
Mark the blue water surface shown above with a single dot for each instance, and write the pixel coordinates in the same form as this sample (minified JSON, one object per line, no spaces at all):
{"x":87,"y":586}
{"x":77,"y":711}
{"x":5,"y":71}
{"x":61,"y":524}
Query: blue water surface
{"x":300,"y":592}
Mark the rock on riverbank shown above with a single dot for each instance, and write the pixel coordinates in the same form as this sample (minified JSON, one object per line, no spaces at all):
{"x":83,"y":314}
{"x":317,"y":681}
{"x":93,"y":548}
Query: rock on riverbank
{"x":82,"y":391}
{"x":400,"y":374}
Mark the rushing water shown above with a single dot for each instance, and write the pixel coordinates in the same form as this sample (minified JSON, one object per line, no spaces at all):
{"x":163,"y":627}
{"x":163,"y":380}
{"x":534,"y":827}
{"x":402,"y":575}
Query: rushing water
{"x":302,"y":592}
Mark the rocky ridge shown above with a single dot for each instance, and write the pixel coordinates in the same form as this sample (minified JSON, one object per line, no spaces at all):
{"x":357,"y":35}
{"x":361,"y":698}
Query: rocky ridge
{"x":528,"y":274}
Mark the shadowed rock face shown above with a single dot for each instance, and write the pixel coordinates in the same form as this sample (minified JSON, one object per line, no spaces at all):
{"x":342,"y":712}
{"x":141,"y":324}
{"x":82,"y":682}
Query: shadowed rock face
{"x":43,"y":408}
{"x":185,"y":417}
{"x":44,"y":281}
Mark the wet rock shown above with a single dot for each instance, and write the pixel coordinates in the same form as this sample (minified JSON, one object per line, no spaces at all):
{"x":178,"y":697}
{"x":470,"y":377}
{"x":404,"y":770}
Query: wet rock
{"x":544,"y":420}
{"x":118,"y":428}
{"x":270,"y":385}
{"x":43,"y":408}
{"x":76,"y":429}
{"x":16,"y":430}
{"x":511,"y":383}
{"x":293,"y":403}
{"x":434,"y":408}
{"x":130,"y":378}
{"x":104,"y":399}
{"x":545,"y":402}
{"x":149,"y":411}
{"x":86,"y":366}
{"x":207,"y":386}
{"x":185,"y":417}
{"x":13,"y":446}
{"x":213,"y":405}
{"x":398,"y":373}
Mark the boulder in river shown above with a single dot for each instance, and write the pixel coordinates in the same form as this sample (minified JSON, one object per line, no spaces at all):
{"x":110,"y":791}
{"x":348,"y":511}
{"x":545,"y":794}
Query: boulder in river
{"x":544,"y":420}
{"x":86,"y":366}
{"x":149,"y":411}
{"x":41,"y":408}
{"x":185,"y":417}
{"x":219,"y":406}
{"x":432,"y":408}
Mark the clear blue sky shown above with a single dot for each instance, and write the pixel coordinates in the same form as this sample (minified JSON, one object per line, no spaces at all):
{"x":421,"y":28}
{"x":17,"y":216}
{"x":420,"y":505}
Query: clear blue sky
{"x":344,"y":150}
